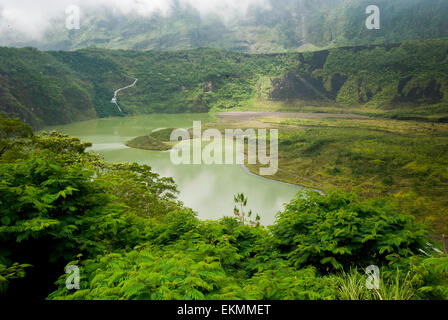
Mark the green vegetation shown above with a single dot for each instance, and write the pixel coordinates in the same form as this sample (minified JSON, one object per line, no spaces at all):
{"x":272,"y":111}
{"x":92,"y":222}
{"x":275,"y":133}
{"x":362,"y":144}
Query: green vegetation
{"x":240,"y":211}
{"x":403,"y":160}
{"x":13,"y":134}
{"x":163,"y":134}
{"x":288,"y":25}
{"x":40,"y":90}
{"x":122,"y":225}
{"x":401,"y":81}
{"x":147,"y":143}
{"x":157,"y":140}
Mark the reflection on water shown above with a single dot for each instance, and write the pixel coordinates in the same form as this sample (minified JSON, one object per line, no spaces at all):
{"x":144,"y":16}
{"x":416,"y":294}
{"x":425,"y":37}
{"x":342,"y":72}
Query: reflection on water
{"x":207,"y":189}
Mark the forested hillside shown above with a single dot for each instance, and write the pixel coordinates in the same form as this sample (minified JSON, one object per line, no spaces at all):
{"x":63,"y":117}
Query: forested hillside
{"x":45,"y":88}
{"x":272,"y":26}
{"x":40,"y":90}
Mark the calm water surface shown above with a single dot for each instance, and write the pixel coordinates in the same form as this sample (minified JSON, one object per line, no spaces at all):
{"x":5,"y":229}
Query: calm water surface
{"x":207,"y":189}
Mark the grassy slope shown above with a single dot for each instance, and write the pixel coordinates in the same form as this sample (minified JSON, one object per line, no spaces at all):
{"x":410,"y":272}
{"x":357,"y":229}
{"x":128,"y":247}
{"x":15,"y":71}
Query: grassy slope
{"x":404,"y":160}
{"x":147,"y":143}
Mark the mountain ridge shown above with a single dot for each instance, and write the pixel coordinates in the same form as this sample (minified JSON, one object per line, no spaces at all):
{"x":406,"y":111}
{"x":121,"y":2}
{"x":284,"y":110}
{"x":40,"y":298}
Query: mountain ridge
{"x":290,"y":25}
{"x":57,"y":87}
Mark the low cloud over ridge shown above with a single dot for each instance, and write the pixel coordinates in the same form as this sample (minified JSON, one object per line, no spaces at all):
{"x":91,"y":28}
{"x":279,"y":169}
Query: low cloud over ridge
{"x":30,"y":19}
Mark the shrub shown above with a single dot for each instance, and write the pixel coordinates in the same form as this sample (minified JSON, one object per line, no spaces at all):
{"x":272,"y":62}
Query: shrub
{"x":339,"y":231}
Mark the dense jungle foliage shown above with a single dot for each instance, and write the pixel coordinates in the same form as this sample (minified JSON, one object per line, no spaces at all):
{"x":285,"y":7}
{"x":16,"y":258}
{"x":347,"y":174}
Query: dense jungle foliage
{"x":132,"y":239}
{"x":47,"y":88}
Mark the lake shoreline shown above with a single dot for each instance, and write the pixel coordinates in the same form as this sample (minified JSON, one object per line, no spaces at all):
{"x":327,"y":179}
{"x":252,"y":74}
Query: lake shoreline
{"x":298,"y":186}
{"x":249,"y":116}
{"x":208,"y":190}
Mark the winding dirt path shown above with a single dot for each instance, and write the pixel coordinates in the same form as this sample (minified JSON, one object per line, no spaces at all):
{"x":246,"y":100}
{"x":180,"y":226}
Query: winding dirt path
{"x":114,"y":99}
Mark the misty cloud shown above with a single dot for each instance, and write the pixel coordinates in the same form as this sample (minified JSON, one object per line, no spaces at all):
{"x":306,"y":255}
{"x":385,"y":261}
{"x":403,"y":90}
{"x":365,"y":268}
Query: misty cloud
{"x":30,"y":19}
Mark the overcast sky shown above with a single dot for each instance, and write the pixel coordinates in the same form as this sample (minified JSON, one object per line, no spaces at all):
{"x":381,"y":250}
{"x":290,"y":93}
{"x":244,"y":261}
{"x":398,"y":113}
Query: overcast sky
{"x":33,"y":17}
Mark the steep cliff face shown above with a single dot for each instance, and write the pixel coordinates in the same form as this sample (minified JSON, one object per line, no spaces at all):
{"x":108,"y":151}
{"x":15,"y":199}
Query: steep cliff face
{"x":291,"y":87}
{"x":411,"y":74}
{"x":414,"y":90}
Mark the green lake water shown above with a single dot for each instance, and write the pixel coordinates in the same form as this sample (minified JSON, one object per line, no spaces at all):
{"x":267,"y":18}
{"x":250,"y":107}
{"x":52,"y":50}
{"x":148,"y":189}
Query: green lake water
{"x":207,"y":189}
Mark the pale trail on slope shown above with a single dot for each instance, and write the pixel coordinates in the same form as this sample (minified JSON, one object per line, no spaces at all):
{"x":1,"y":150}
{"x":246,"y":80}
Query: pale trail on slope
{"x":114,"y":99}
